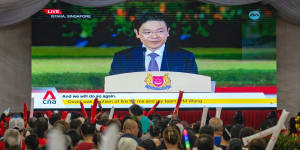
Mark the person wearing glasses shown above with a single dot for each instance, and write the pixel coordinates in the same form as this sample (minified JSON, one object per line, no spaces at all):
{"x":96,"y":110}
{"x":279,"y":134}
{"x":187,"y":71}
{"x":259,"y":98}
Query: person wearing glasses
{"x":154,"y":54}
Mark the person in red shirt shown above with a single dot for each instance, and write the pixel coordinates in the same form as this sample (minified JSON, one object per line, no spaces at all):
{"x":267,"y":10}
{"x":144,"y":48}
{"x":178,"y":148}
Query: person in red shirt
{"x":87,"y":130}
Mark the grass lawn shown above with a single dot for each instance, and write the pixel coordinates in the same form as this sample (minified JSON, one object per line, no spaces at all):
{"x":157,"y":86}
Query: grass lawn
{"x":199,"y":52}
{"x":102,"y":65}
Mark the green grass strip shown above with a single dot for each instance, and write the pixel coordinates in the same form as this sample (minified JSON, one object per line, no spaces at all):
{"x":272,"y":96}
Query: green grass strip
{"x":207,"y":53}
{"x":77,"y":81}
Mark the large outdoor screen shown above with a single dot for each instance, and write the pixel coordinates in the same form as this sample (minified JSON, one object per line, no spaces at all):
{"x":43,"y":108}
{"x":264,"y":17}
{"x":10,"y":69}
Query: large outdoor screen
{"x":73,"y":49}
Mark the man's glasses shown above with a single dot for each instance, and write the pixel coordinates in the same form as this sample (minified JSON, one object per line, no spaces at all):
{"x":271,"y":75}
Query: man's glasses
{"x":148,"y":33}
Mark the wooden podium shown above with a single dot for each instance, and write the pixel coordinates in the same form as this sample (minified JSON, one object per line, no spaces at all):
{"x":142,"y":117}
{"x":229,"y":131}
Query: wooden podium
{"x":158,"y":81}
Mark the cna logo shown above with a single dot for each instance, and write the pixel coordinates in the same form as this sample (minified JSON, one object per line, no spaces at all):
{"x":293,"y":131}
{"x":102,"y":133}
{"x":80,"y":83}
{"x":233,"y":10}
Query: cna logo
{"x":254,"y":15}
{"x":53,"y":11}
{"x":49,"y":98}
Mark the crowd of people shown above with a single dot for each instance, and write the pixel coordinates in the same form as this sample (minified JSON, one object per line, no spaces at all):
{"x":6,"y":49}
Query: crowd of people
{"x":134,"y":132}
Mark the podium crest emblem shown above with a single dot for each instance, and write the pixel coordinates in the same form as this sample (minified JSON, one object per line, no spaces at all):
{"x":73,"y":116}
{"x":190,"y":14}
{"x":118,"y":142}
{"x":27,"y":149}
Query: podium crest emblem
{"x":158,"y":82}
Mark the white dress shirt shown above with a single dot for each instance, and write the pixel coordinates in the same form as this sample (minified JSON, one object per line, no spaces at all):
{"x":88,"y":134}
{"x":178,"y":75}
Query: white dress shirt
{"x":158,"y":59}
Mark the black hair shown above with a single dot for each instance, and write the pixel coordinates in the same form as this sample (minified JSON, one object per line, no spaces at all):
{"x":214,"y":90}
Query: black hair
{"x":88,"y":129}
{"x":204,"y":141}
{"x":31,"y":122}
{"x":54,"y":117}
{"x":257,"y":144}
{"x":136,"y":110}
{"x":148,"y":144}
{"x":238,"y":118}
{"x":155,"y":118}
{"x":235,"y":130}
{"x":207,"y":130}
{"x":75,"y":124}
{"x":40,"y":126}
{"x":235,"y":144}
{"x":196,"y":127}
{"x":149,"y":16}
{"x":171,"y":136}
{"x":32,"y":142}
{"x":155,"y":130}
{"x":75,"y":137}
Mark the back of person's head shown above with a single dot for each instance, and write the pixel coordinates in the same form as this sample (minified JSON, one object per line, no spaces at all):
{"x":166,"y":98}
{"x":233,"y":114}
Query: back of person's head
{"x":246,"y":131}
{"x":207,"y":130}
{"x":123,"y":121}
{"x":131,"y":127}
{"x":54,"y":117}
{"x":88,"y":129}
{"x":272,"y":114}
{"x":149,"y":16}
{"x":216,"y":123}
{"x":40,"y":127}
{"x":75,"y":136}
{"x":235,"y":130}
{"x":136,"y":110}
{"x":31,"y":122}
{"x":12,"y":140}
{"x":171,"y":136}
{"x":16,"y":123}
{"x":148,"y":144}
{"x":75,"y":124}
{"x":31,"y":142}
{"x":238,"y":118}
{"x":204,"y":142}
{"x":126,"y":143}
{"x":257,"y":144}
{"x":155,"y":118}
{"x":61,"y":125}
{"x":155,"y":131}
{"x":235,"y":144}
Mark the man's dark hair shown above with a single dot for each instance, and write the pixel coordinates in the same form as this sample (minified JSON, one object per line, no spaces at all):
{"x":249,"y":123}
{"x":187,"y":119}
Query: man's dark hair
{"x":171,"y":135}
{"x":148,"y":144}
{"x":75,"y":124}
{"x":75,"y":137}
{"x":88,"y":129}
{"x":155,"y":130}
{"x":54,"y":117}
{"x":207,"y":130}
{"x":235,"y":144}
{"x":238,"y":118}
{"x":257,"y":144}
{"x":31,"y":122}
{"x":205,"y":142}
{"x":32,"y":142}
{"x":235,"y":130}
{"x":149,"y":16}
{"x":136,"y":110}
{"x":40,"y":126}
{"x":155,"y":118}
